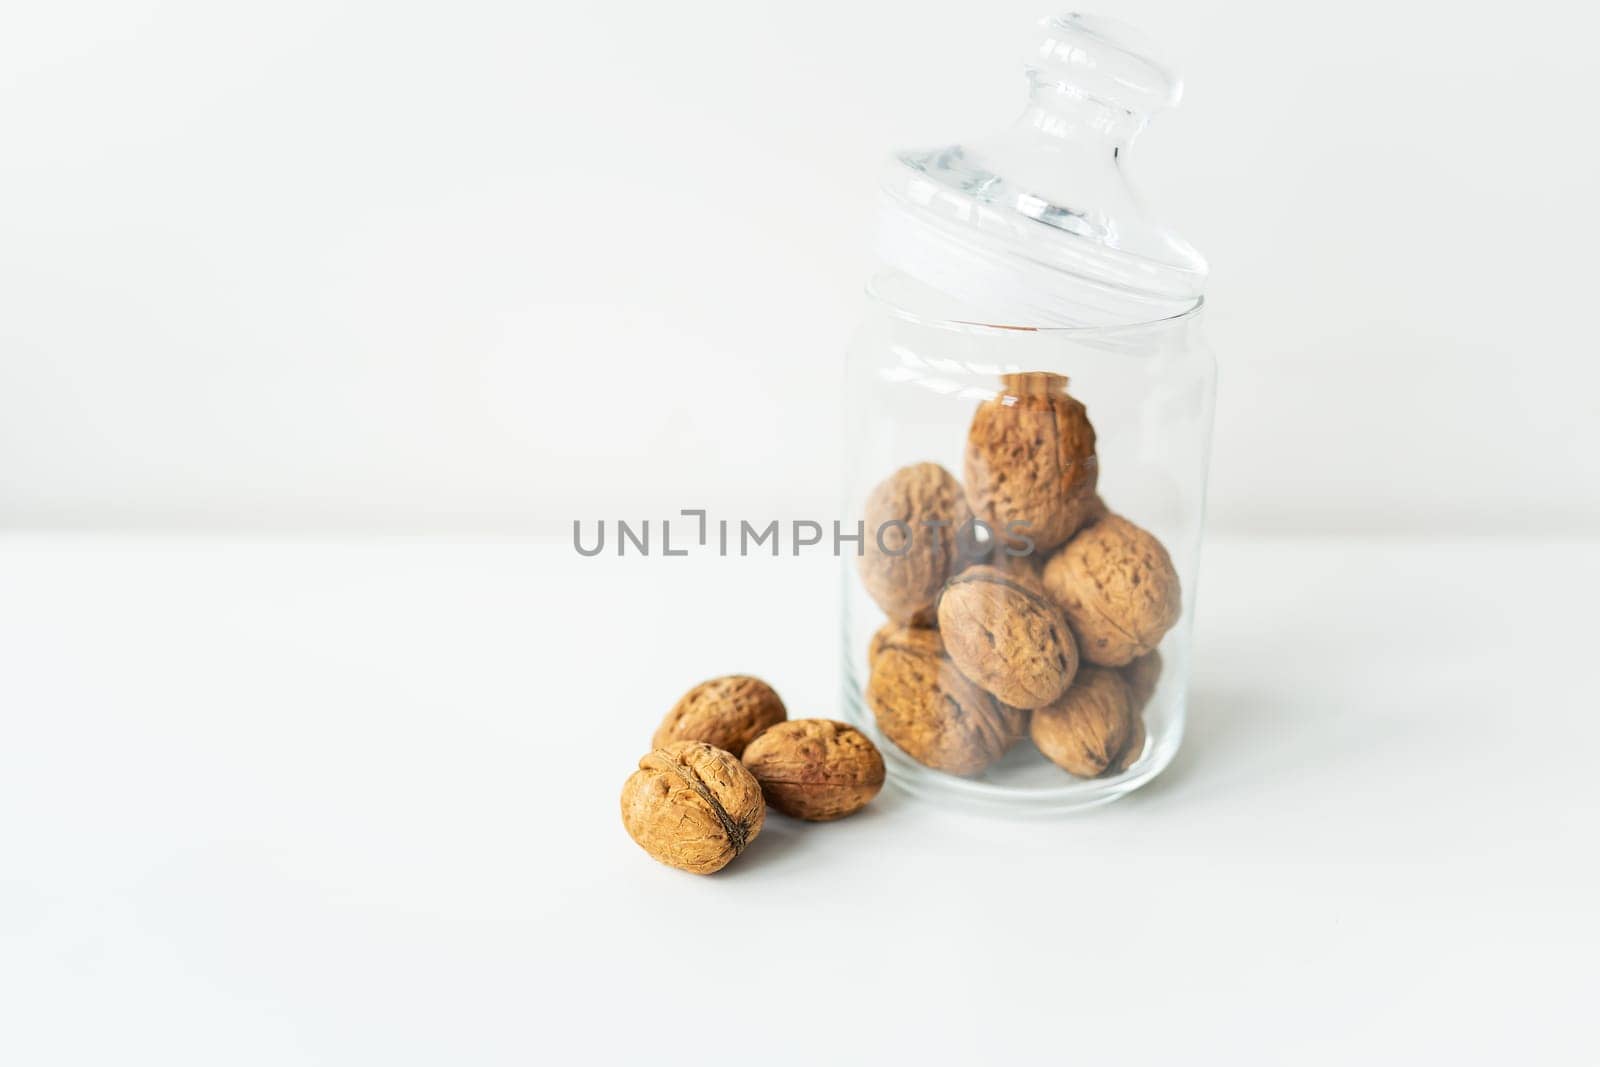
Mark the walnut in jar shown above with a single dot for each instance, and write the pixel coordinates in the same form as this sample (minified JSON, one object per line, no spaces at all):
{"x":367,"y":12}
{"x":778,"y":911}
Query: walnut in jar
{"x":1005,"y":634}
{"x":1087,"y":731}
{"x":1143,"y":675}
{"x":912,"y":525}
{"x":1118,"y":588}
{"x":1030,"y":461}
{"x":1132,"y":750}
{"x":931,"y":711}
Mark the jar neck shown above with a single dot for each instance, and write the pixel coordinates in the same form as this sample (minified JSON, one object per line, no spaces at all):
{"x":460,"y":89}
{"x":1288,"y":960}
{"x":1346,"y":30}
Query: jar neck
{"x":1064,"y":116}
{"x":906,"y":298}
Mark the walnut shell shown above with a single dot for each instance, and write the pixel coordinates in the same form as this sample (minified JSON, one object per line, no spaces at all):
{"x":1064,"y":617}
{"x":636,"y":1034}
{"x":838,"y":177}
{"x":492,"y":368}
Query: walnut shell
{"x":1030,"y":460}
{"x":1132,"y":750}
{"x":1142,"y":676}
{"x":726,"y":713}
{"x":1088,"y":729}
{"x":692,"y":806}
{"x":815,"y":769}
{"x":905,"y":580}
{"x":1004,"y":633}
{"x":923,"y":640}
{"x":1119,"y":589}
{"x":931,"y":711}
{"x":879,"y":639}
{"x":1027,"y":569}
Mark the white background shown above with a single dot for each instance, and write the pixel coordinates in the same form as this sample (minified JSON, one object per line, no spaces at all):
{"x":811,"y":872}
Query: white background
{"x":495,"y":266}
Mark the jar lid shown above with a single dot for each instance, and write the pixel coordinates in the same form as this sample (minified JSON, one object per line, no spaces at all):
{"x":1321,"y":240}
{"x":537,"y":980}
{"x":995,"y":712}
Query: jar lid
{"x":1037,"y":225}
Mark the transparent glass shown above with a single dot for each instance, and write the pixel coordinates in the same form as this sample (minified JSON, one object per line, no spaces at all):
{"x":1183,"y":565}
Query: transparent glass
{"x":917,"y":371}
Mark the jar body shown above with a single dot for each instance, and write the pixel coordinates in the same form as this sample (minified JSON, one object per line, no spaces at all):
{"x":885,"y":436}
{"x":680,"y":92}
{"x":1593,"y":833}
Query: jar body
{"x":917,"y":372}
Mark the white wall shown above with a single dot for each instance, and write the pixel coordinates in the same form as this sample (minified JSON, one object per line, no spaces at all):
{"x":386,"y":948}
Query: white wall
{"x":495,"y":265}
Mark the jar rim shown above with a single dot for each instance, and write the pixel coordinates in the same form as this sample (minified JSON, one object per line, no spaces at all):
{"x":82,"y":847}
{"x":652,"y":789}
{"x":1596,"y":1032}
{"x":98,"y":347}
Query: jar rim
{"x":894,"y":307}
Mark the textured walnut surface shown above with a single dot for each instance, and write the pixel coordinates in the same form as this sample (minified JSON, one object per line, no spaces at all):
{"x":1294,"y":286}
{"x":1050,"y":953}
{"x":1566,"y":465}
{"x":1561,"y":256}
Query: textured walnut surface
{"x":1119,"y":590}
{"x":1088,"y":729}
{"x":1005,"y":634}
{"x":904,"y":576}
{"x":726,"y":713}
{"x":816,"y":769}
{"x":1030,"y":459}
{"x":692,"y":806}
{"x":1026,"y":569}
{"x":1132,"y":750}
{"x":922,"y":640}
{"x":931,"y":711}
{"x":1142,"y":675}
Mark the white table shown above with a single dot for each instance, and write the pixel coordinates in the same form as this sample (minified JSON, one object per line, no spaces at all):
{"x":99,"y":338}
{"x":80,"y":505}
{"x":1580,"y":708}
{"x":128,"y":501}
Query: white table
{"x":294,"y":802}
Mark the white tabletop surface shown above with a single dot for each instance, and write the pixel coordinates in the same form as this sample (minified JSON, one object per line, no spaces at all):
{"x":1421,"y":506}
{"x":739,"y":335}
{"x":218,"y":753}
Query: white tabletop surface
{"x":356,"y":803}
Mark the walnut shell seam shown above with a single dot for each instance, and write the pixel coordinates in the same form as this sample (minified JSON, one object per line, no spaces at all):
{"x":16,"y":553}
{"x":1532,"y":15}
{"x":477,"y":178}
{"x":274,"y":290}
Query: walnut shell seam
{"x":738,"y":834}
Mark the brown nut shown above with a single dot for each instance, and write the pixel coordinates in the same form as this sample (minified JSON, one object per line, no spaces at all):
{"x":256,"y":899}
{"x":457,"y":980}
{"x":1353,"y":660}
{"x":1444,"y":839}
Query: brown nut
{"x":1030,"y":460}
{"x":1119,"y":589}
{"x":923,"y":640}
{"x":692,"y":806}
{"x":815,"y":769}
{"x":880,"y":638}
{"x":726,"y":713}
{"x":931,"y":711}
{"x":1028,"y":568}
{"x":1002,"y":632}
{"x":1132,"y":750}
{"x":912,"y":527}
{"x":1088,"y":729}
{"x":1142,"y":676}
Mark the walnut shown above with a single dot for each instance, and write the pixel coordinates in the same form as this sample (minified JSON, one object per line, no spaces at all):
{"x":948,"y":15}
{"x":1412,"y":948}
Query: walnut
{"x":1142,"y":675}
{"x":692,"y":806}
{"x":815,"y":769}
{"x":1119,"y":589}
{"x":1088,"y":729}
{"x":1005,"y":634}
{"x":904,"y":560}
{"x":1132,"y":750}
{"x":1030,"y":460}
{"x":1027,"y":568}
{"x":924,"y":640}
{"x":931,"y":711}
{"x":726,"y":713}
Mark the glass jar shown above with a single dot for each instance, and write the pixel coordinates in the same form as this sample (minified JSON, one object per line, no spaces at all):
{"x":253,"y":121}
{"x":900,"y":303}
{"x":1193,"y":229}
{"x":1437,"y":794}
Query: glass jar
{"x":1028,"y":419}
